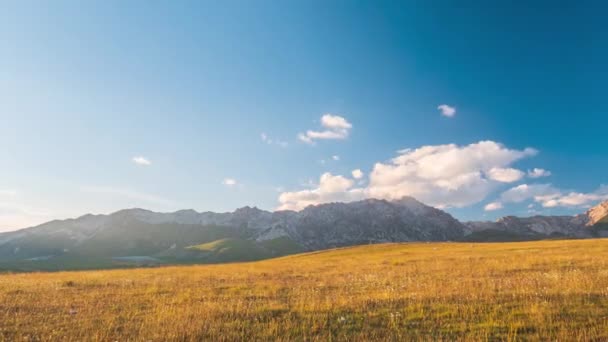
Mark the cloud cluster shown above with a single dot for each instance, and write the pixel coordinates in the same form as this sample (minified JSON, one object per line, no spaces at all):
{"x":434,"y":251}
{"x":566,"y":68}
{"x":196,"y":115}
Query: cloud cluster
{"x":446,"y":175}
{"x":549,"y":197}
{"x":447,"y":111}
{"x":538,"y":173}
{"x":505,"y":175}
{"x":330,"y":189}
{"x":229,"y":181}
{"x":439,"y":175}
{"x":335,"y":127}
{"x":493,"y":206}
{"x":357,"y":174}
{"x":139,"y":160}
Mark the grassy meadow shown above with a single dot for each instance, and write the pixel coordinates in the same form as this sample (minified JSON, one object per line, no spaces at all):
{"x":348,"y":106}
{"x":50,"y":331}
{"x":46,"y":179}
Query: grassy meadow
{"x":543,"y":290}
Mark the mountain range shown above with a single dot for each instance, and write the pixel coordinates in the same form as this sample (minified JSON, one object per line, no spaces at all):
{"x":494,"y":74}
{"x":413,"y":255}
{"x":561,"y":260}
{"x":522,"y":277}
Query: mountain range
{"x":138,"y":237}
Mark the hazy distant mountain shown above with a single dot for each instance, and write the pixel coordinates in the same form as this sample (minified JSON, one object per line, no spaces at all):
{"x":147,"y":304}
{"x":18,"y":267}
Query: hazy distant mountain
{"x":588,"y":225}
{"x":511,"y":228}
{"x":141,"y":237}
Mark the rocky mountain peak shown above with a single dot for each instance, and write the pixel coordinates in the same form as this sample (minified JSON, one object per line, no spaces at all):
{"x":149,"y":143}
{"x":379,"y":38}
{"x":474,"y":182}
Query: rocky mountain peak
{"x":247,"y":210}
{"x":597,"y":213}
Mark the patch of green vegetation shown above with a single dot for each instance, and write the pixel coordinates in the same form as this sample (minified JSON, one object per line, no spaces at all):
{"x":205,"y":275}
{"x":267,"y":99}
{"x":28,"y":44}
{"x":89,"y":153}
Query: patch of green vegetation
{"x":231,"y":249}
{"x":281,"y":246}
{"x":234,"y":249}
{"x":151,"y":239}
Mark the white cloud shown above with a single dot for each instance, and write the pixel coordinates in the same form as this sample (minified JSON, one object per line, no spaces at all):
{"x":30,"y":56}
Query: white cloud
{"x":335,"y":122}
{"x":524,"y":192}
{"x":330,"y":189}
{"x":447,"y":111}
{"x":229,"y":182}
{"x":576,"y":199}
{"x":537,"y":173}
{"x":505,"y":175}
{"x":439,"y":175}
{"x":549,"y":197}
{"x":443,"y":175}
{"x":336,"y":158}
{"x":265,"y":138}
{"x":139,"y":160}
{"x":357,"y":174}
{"x":493,"y":206}
{"x":336,"y":127}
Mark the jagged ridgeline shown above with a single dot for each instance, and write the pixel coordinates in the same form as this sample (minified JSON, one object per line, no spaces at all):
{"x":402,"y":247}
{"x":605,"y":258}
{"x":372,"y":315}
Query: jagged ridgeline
{"x":137,"y":237}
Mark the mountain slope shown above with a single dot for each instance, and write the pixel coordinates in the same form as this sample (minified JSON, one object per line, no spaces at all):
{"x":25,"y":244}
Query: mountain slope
{"x":526,"y":291}
{"x":140,"y":236}
{"x":511,"y":228}
{"x":373,"y":221}
{"x":246,"y":234}
{"x":598,"y":214}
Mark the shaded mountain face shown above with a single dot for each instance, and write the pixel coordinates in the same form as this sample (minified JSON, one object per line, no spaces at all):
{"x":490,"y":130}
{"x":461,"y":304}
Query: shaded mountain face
{"x":168,"y":237}
{"x":372,"y":221}
{"x":511,"y":228}
{"x":591,"y":224}
{"x":136,"y":236}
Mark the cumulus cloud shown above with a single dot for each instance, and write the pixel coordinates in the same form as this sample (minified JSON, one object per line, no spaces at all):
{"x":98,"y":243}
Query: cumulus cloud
{"x":330,"y":189}
{"x":443,"y":175}
{"x":493,"y":206}
{"x":357,"y":174}
{"x":577,"y":199}
{"x":537,"y":173}
{"x":139,"y":160}
{"x":335,"y":127}
{"x":524,"y":192}
{"x":549,"y":197}
{"x":447,"y":111}
{"x":336,"y":158}
{"x":439,"y":175}
{"x":265,"y":138}
{"x":505,"y":175}
{"x":229,"y":181}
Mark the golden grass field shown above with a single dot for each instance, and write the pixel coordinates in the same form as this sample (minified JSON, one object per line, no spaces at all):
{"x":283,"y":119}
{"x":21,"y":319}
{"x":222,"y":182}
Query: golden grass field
{"x":549,"y":290}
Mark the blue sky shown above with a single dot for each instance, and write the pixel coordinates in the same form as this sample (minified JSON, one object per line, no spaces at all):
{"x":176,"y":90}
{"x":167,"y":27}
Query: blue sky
{"x":192,"y":87}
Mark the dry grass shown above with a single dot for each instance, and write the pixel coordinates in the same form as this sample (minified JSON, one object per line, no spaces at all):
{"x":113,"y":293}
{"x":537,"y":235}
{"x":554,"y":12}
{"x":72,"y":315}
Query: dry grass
{"x":552,"y":290}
